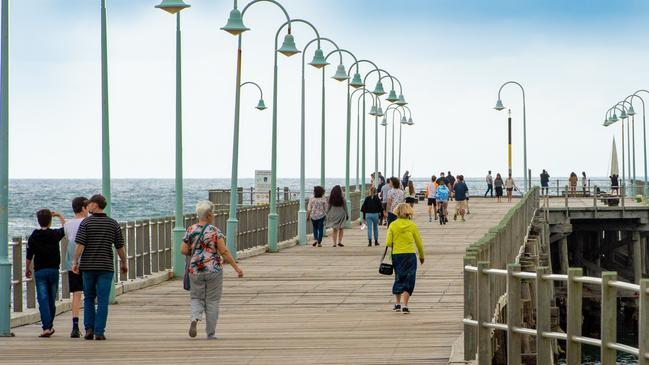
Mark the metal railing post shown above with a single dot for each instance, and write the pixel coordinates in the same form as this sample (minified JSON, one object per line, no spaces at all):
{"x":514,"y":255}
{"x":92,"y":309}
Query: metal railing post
{"x":513,"y":315}
{"x":484,"y":315}
{"x":608,"y":318}
{"x":643,"y":323}
{"x":574,"y":316}
{"x":543,"y":322}
{"x":470,"y":290}
{"x":17,"y":255}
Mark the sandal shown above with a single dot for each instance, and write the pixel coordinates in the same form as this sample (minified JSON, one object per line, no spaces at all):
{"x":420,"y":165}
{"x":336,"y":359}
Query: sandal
{"x":46,"y":333}
{"x":341,"y":245}
{"x":315,"y":243}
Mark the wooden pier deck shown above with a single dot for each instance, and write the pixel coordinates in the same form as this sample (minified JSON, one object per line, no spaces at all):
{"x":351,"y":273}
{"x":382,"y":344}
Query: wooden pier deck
{"x":303,"y":305}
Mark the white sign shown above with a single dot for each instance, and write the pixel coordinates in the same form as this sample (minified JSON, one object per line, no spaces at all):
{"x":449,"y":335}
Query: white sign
{"x":262,"y":186}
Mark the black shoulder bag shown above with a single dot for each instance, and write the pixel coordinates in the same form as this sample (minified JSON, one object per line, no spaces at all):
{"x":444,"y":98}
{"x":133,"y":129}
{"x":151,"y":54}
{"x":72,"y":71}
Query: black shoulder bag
{"x":385,"y":268}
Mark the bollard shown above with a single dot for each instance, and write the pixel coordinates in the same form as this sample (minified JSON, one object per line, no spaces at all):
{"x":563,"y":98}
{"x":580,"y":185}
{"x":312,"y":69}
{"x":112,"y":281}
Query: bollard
{"x":17,"y":255}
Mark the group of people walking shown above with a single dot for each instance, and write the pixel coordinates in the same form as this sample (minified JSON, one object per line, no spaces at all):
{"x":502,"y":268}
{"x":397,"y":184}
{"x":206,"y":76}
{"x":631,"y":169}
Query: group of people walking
{"x":440,"y":190}
{"x":500,"y":185}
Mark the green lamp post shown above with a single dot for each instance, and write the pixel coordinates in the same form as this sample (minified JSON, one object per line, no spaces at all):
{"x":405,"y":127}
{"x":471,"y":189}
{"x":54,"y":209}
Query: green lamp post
{"x":499,"y":106}
{"x":236,"y":27}
{"x":394,"y":108}
{"x":5,"y":265}
{"x":610,"y":121}
{"x":363,"y":91}
{"x":630,"y":143}
{"x":644,"y":137}
{"x":319,"y":61}
{"x":175,"y":7}
{"x":409,"y":122}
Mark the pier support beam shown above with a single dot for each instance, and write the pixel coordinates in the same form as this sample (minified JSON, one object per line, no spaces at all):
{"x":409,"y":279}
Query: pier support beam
{"x":565,"y":262}
{"x":637,"y":257}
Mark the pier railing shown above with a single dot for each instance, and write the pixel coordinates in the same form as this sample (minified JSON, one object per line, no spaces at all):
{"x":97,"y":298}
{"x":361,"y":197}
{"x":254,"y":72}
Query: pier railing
{"x":480,"y":280}
{"x":148,"y":245}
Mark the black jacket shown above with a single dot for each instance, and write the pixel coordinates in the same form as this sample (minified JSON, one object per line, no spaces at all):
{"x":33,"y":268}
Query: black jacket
{"x":371,"y":204}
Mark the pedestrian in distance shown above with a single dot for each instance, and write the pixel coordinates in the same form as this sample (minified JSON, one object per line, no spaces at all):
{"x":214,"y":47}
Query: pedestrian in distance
{"x":384,"y":202}
{"x":615,"y":184}
{"x":93,"y":258}
{"x":545,"y":181}
{"x":381,"y":181}
{"x":405,"y":179}
{"x":405,"y":241}
{"x":510,"y":186}
{"x":43,"y":249}
{"x":396,"y":196}
{"x":316,"y":211}
{"x":337,"y":215}
{"x":490,"y":185}
{"x":442,"y":197}
{"x":461,"y":191}
{"x":411,"y":194}
{"x":450,"y":179}
{"x":584,"y":183}
{"x":431,"y":191}
{"x":372,"y":209}
{"x":205,"y":244}
{"x":498,"y":185}
{"x":75,"y":281}
{"x":572,"y":181}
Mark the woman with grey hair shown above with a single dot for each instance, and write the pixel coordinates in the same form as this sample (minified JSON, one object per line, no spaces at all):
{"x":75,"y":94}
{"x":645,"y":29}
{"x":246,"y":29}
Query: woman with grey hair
{"x":205,"y":244}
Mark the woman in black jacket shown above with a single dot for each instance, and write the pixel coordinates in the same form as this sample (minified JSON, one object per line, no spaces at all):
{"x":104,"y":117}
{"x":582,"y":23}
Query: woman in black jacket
{"x":372,"y":209}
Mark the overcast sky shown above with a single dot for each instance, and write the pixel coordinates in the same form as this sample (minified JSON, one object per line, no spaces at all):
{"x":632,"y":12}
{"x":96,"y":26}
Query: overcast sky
{"x":575,"y":59}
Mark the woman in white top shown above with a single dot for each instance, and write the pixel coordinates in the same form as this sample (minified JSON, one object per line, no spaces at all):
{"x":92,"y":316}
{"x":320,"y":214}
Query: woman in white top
{"x":510,"y":186}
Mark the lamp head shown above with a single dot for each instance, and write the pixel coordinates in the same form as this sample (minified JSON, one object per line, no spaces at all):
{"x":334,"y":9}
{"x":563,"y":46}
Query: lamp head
{"x":373,"y":110}
{"x":401,"y":101}
{"x":261,"y":105}
{"x":614,"y":119}
{"x":341,"y":74}
{"x":356,"y":81}
{"x":379,"y":112}
{"x":234,"y":25}
{"x":623,"y":115}
{"x":392,"y":96}
{"x":384,"y":123}
{"x":404,"y":120}
{"x":499,"y":105}
{"x":318,"y":59}
{"x":378,"y":90}
{"x":630,"y":112}
{"x":288,"y":47}
{"x":172,"y":6}
{"x":410,"y":122}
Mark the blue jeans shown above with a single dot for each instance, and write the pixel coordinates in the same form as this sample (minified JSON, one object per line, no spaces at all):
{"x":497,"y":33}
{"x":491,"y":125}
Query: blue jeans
{"x":318,"y":228}
{"x":47,"y":287}
{"x":372,"y":225}
{"x":96,"y":284}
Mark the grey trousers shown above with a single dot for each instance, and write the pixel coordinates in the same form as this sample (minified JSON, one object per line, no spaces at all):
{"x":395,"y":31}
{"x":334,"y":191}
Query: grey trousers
{"x":205,"y":293}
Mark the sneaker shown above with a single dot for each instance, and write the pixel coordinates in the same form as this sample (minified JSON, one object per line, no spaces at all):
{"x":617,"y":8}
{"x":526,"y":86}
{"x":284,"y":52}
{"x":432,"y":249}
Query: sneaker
{"x":397,"y":307}
{"x":369,"y":244}
{"x":212,"y":337}
{"x":100,"y":338}
{"x":90,"y":334}
{"x":405,"y":310}
{"x":315,"y":243}
{"x":192,"y":329}
{"x":75,"y":333}
{"x":319,"y":244}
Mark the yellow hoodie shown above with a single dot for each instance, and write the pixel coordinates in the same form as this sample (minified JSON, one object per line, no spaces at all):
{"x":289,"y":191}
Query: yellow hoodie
{"x":404,"y":235}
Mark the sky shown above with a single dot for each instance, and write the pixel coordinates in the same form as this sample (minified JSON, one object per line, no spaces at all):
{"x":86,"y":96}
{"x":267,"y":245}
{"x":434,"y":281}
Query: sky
{"x":575,"y":60}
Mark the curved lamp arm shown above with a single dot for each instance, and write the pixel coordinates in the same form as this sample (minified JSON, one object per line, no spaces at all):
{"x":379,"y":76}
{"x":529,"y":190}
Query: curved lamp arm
{"x":511,"y":82}
{"x":322,"y":39}
{"x":288,"y":18}
{"x":365,"y":91}
{"x":392,"y":78}
{"x":379,"y":71}
{"x":255,"y":84}
{"x":341,"y":51}
{"x":376,"y":68}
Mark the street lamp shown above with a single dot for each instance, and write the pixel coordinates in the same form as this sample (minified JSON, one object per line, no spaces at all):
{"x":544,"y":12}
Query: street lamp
{"x":644,"y":136}
{"x":499,"y":106}
{"x":394,"y":108}
{"x":409,"y":122}
{"x":236,"y":27}
{"x":612,"y":120}
{"x":174,"y":7}
{"x":358,"y":133}
{"x":628,"y":114}
{"x":5,"y":265}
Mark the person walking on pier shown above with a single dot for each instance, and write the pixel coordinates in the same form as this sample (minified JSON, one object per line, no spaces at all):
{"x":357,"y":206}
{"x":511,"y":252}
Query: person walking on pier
{"x":404,"y":240}
{"x":93,"y":257}
{"x":75,"y":281}
{"x":545,"y":181}
{"x":498,"y":185}
{"x":510,"y":186}
{"x":337,"y":214}
{"x":615,"y":184}
{"x":584,"y":183}
{"x":316,"y":211}
{"x":206,"y":245}
{"x":442,"y":196}
{"x":396,"y":196}
{"x":450,"y":180}
{"x":411,"y":194}
{"x":43,"y":248}
{"x":431,"y":191}
{"x":461,"y":191}
{"x":572,"y":180}
{"x":384,"y":202}
{"x":405,"y":180}
{"x":490,"y":185}
{"x":372,"y":209}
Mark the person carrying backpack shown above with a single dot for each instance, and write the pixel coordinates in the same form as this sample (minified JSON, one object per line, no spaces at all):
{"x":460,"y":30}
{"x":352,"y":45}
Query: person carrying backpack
{"x":442,"y":196}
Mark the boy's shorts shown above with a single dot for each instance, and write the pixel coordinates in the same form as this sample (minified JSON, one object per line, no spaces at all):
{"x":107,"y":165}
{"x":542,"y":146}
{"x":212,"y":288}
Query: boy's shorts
{"x":432,"y":201}
{"x":75,"y":282}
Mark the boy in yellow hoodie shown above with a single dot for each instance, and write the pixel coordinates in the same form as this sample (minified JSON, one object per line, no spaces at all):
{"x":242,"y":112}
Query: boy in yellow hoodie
{"x":403,"y":237}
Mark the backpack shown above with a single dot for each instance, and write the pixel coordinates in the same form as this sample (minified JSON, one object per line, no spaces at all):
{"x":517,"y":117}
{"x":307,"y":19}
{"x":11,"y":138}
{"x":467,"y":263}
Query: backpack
{"x":442,"y":193}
